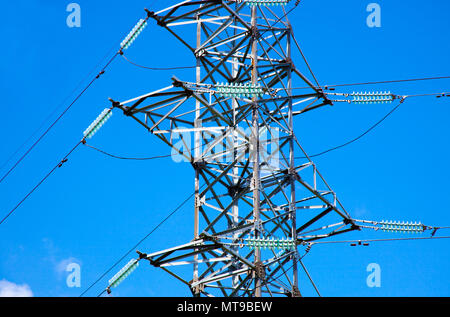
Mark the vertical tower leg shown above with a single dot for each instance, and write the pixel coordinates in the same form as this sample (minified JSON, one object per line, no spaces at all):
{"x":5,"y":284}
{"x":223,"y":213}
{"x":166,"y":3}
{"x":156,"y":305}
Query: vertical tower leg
{"x":292,"y":207}
{"x":255,"y":150}
{"x":235,"y":208}
{"x":197,"y":156}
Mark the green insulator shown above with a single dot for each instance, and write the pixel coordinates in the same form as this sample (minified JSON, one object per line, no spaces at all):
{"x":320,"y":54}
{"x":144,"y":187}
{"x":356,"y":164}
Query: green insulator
{"x":97,"y":124}
{"x":131,"y":37}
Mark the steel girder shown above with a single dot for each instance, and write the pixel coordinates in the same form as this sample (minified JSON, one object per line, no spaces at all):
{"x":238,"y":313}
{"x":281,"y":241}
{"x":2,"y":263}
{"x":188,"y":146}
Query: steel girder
{"x":243,"y":189}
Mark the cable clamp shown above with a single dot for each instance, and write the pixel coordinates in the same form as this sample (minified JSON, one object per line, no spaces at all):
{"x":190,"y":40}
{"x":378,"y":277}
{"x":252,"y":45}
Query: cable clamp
{"x":99,"y":74}
{"x":62,"y":162}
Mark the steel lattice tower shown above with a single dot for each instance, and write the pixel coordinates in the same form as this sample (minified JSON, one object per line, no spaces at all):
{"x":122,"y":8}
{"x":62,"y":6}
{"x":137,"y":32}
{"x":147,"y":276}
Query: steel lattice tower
{"x":253,"y":208}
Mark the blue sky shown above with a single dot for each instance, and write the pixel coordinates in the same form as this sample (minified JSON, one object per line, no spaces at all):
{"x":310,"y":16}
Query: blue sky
{"x":95,"y":208}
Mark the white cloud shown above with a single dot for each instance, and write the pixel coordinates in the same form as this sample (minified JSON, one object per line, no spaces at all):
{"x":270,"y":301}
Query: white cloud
{"x":9,"y":289}
{"x":53,"y":257}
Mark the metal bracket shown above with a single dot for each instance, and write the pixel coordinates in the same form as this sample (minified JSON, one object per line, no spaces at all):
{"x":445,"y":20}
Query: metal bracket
{"x":260,"y":270}
{"x":198,"y":289}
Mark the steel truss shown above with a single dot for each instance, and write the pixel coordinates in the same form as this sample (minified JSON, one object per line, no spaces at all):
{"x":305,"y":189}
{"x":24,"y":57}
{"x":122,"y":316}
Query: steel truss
{"x":242,"y":190}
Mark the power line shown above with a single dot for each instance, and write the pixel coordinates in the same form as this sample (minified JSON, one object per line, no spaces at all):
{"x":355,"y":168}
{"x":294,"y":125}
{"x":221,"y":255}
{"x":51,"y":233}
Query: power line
{"x":192,"y":67}
{"x":54,"y":111}
{"x":136,"y":245}
{"x":438,"y":95}
{"x":382,"y":240}
{"x":300,"y":157}
{"x":127,"y":158}
{"x":88,"y":133}
{"x":188,"y":67}
{"x":327,"y":87}
{"x":173,"y":212}
{"x":124,"y":45}
{"x":138,"y":158}
{"x":59,"y":117}
{"x":389,"y":81}
{"x":357,"y":138}
{"x":155,"y":68}
{"x":350,"y":241}
{"x":64,"y":160}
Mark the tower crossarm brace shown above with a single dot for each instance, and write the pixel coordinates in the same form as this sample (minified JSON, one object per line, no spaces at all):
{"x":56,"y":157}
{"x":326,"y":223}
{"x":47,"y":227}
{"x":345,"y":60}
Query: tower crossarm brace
{"x":255,"y":205}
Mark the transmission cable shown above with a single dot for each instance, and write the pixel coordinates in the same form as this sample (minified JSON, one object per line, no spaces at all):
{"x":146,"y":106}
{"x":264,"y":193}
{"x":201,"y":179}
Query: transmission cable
{"x":155,"y":68}
{"x":331,"y":87}
{"x":139,"y":158}
{"x":389,"y":81}
{"x":137,"y":244}
{"x":124,"y":45}
{"x":87,"y":134}
{"x":54,"y":111}
{"x":381,"y":240}
{"x":127,"y":158}
{"x":59,"y":118}
{"x":300,"y":157}
{"x":357,"y":138}
{"x":191,"y":67}
{"x":64,"y":160}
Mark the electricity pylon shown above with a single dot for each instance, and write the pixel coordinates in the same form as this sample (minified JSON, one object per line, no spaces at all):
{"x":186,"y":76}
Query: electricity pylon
{"x":254,"y":202}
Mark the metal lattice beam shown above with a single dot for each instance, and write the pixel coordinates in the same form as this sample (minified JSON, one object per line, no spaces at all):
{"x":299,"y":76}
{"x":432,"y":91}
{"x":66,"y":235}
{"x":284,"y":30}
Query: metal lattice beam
{"x":248,"y":190}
